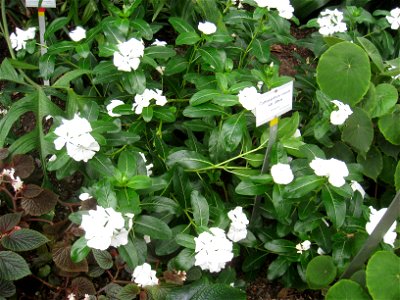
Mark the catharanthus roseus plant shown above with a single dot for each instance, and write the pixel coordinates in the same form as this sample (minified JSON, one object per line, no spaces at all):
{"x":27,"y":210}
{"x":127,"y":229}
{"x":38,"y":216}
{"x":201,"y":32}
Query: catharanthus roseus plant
{"x":149,"y":120}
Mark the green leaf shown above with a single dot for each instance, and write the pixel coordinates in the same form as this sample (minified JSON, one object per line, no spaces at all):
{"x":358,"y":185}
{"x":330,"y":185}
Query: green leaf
{"x":185,"y":259}
{"x":301,"y":186}
{"x":8,"y":221}
{"x":23,"y":240}
{"x":12,"y":266}
{"x":180,"y":25}
{"x":335,"y":206}
{"x":383,"y":275}
{"x":79,"y":250}
{"x":65,"y":79}
{"x":278,"y":267}
{"x":213,"y":57}
{"x":129,"y":254}
{"x":55,"y":25}
{"x":200,"y":209}
{"x":46,"y":65}
{"x":129,"y":292}
{"x":127,"y":163}
{"x":260,"y":49}
{"x":344,"y":72}
{"x":203,"y":110}
{"x":175,"y":65}
{"x":189,"y":160}
{"x":103,"y":258}
{"x":397,"y":177}
{"x":358,"y":130}
{"x":372,"y":163}
{"x":105,"y":195}
{"x":233,"y":131}
{"x":372,"y":51}
{"x":8,"y":73}
{"x":250,"y":188}
{"x":321,"y":271}
{"x":153,"y":227}
{"x":385,"y":99}
{"x":346,"y":289}
{"x":7,"y":288}
{"x":281,"y":247}
{"x":143,"y":27}
{"x":389,"y":125}
{"x":139,"y":182}
{"x":219,"y":291}
{"x":187,"y":38}
{"x":185,"y":240}
{"x":203,"y":96}
{"x":254,"y":261}
{"x":160,"y":52}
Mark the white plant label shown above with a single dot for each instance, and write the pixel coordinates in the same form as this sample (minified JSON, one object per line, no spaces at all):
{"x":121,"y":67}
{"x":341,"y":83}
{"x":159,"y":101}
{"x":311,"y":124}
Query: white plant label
{"x":274,"y":103}
{"x":45,"y":3}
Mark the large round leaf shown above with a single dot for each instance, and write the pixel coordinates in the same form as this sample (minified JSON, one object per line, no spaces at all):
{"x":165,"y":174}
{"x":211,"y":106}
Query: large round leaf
{"x":346,"y":289}
{"x":321,"y":271}
{"x":344,"y":72}
{"x":389,"y":125}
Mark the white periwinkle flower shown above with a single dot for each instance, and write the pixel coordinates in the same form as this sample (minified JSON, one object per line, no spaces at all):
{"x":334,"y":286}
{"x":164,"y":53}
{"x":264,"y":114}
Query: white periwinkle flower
{"x":127,"y":58}
{"x":331,"y":21}
{"x":159,"y":43}
{"x":282,"y":173}
{"x":85,"y":196}
{"x":374,"y":218}
{"x":304,"y":246}
{"x":320,"y":251}
{"x":144,"y":276}
{"x":332,"y":168}
{"x":15,"y":181}
{"x":143,"y":100}
{"x":207,"y":27}
{"x":285,"y":9}
{"x":394,"y":18}
{"x":249,"y":98}
{"x":75,"y":134}
{"x":113,"y":104}
{"x":213,"y":250}
{"x":105,"y":227}
{"x":355,"y":186}
{"x":19,"y":38}
{"x":77,"y":34}
{"x":238,"y":228}
{"x":338,"y":117}
{"x":147,"y":239}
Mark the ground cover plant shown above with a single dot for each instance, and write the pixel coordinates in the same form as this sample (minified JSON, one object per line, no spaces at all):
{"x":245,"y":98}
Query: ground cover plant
{"x":142,"y":175}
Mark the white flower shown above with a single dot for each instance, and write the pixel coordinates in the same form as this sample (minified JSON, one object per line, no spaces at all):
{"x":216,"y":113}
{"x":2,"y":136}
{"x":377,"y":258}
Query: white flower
{"x":85,"y":196}
{"x":127,"y":56}
{"x":207,"y":27}
{"x":143,"y":100}
{"x":213,"y":250}
{"x":113,"y":104}
{"x":238,"y":228}
{"x":147,"y":239}
{"x":3,"y":111}
{"x":160,"y":69}
{"x":71,"y":296}
{"x":297,"y":133}
{"x":53,"y":158}
{"x":285,"y":9}
{"x":338,"y":117}
{"x":332,"y":168}
{"x":249,"y":98}
{"x":282,"y":173}
{"x":105,"y":228}
{"x":331,"y":21}
{"x":374,"y":218}
{"x":394,"y":18}
{"x":393,"y":67}
{"x":320,"y":251}
{"x":355,"y":186}
{"x":77,"y":34}
{"x":82,"y":148}
{"x":19,"y":38}
{"x":87,"y":297}
{"x":159,"y":43}
{"x":15,"y":181}
{"x":304,"y":246}
{"x":144,"y":276}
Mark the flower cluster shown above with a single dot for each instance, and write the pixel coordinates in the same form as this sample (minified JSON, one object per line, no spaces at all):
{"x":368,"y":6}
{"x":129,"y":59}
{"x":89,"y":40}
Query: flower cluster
{"x":332,"y":168}
{"x":143,"y":100}
{"x":15,"y":181}
{"x":19,"y":38}
{"x":374,"y":218}
{"x":394,"y":18}
{"x":284,"y":8}
{"x":105,"y":227}
{"x":207,"y":27}
{"x":331,"y":21}
{"x":238,"y":229}
{"x":127,"y":58}
{"x":144,"y":276}
{"x":282,"y":173}
{"x":77,"y":34}
{"x":304,"y":246}
{"x":213,"y":250}
{"x":338,"y":117}
{"x":75,"y":134}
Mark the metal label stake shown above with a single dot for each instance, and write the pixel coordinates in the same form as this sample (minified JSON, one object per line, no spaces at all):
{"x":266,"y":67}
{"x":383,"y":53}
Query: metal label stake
{"x":42,"y":29}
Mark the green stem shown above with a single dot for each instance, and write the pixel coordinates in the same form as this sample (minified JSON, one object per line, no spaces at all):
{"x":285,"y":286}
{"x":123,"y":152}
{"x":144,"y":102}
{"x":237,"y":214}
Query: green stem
{"x":249,"y":46}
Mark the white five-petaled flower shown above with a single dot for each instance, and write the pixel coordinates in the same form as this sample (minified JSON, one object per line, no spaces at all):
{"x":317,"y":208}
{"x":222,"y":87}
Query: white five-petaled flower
{"x":331,"y":21}
{"x":19,"y":38}
{"x":159,"y":43}
{"x":105,"y":227}
{"x":285,"y":9}
{"x":238,"y":228}
{"x":127,"y":58}
{"x":15,"y":181}
{"x":143,"y":100}
{"x":144,"y":276}
{"x":374,"y":218}
{"x":282,"y":173}
{"x":338,"y":117}
{"x":79,"y":33}
{"x":75,"y":135}
{"x":336,"y":170}
{"x":394,"y":18}
{"x":355,"y":186}
{"x":249,"y":98}
{"x":207,"y":27}
{"x":113,"y":104}
{"x":304,"y":246}
{"x":213,"y":250}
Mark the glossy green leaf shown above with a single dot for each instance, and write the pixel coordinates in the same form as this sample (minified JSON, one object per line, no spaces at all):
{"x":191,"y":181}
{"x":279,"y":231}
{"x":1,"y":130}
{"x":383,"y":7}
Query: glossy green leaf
{"x":232,"y":132}
{"x":389,"y":126}
{"x":321,"y":271}
{"x":219,"y":291}
{"x":175,"y":65}
{"x":180,"y":25}
{"x":203,"y":110}
{"x":213,"y":57}
{"x":185,"y":259}
{"x":203,"y":96}
{"x":153,"y":227}
{"x":335,"y":206}
{"x":129,"y":292}
{"x":187,"y":38}
{"x":372,"y":51}
{"x":12,"y":266}
{"x":160,"y":52}
{"x":372,"y":163}
{"x":185,"y":240}
{"x":79,"y":250}
{"x":200,"y":209}
{"x":23,"y":240}
{"x":103,"y":258}
{"x":281,"y":247}
{"x":188,"y":160}
{"x":301,"y":186}
{"x":139,"y":182}
{"x":278,"y":267}
{"x":250,"y":188}
{"x":46,"y":65}
{"x":346,"y":289}
{"x":386,"y":97}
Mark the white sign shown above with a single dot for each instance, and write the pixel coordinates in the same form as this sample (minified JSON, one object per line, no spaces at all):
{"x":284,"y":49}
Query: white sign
{"x":45,"y":3}
{"x":274,"y":103}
